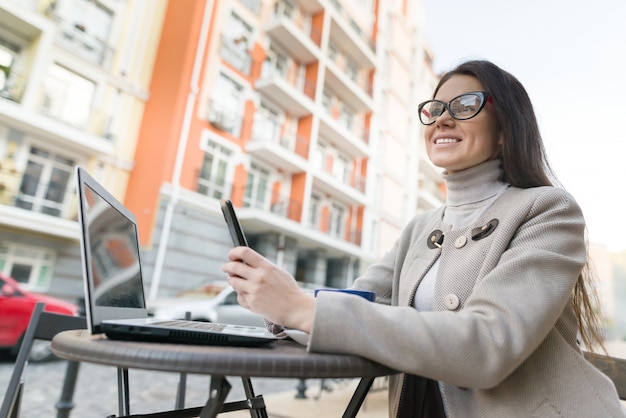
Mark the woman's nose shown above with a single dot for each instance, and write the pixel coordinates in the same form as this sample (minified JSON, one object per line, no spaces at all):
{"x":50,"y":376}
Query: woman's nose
{"x":444,"y":119}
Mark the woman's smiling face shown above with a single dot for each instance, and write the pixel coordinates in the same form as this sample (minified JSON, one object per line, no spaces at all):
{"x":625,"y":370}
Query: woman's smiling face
{"x":456,"y":145}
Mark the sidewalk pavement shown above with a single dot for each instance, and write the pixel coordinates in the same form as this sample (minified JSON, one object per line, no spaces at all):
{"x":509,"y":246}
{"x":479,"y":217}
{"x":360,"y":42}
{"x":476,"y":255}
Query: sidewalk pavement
{"x":320,"y":405}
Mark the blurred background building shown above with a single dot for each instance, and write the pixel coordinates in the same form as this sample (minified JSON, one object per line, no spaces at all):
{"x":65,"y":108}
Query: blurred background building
{"x":303,"y":112}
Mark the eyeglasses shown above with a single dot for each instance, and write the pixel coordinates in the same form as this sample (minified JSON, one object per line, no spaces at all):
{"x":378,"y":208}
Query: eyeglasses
{"x":462,"y":107}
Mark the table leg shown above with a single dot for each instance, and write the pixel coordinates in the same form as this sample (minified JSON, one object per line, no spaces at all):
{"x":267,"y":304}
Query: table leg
{"x":217,"y":395}
{"x":254,"y":411}
{"x":358,"y":397}
{"x":123,"y":392}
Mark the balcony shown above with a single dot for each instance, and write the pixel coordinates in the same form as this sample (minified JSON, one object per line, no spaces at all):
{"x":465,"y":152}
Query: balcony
{"x":279,"y":151}
{"x":346,"y":193}
{"x":277,"y":218}
{"x":280,"y":91}
{"x":343,"y":138}
{"x":311,"y":7}
{"x":348,"y":38}
{"x":353,"y":93}
{"x":292,"y":38}
{"x":223,"y":119}
{"x":346,"y":233}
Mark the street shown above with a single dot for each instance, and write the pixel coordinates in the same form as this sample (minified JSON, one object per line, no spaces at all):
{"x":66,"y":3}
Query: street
{"x":96,"y":389}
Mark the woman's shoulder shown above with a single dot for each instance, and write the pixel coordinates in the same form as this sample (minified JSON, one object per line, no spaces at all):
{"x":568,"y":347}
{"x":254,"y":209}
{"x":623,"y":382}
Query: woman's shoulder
{"x":540,"y":192}
{"x":541,"y":198}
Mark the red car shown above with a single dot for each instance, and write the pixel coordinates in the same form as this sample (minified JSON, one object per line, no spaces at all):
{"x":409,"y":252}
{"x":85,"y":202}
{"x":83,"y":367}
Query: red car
{"x":16,"y":307}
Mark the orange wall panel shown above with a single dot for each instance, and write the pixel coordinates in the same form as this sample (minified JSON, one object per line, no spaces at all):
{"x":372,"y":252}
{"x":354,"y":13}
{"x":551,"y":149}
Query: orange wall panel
{"x":161,"y":125}
{"x":298,"y":182}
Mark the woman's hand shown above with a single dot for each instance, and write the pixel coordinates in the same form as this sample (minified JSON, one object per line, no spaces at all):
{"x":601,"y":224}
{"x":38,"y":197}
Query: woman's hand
{"x":269,"y":290}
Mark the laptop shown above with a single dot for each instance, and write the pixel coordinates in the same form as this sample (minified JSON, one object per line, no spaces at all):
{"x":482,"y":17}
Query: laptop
{"x":114,"y":290}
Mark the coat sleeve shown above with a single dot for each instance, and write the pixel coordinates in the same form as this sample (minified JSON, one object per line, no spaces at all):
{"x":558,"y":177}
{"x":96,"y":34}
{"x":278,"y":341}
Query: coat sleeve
{"x":510,"y":311}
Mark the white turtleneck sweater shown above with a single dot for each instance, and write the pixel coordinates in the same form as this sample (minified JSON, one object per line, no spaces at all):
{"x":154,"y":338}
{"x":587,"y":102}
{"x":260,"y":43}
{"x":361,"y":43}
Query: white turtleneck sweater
{"x":470,"y":193}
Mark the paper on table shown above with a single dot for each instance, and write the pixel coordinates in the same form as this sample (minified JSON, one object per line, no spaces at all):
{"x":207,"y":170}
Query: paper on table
{"x":298,"y":336}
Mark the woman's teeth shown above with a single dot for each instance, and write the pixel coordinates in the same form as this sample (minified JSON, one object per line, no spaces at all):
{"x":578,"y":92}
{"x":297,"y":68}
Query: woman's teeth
{"x":446,"y":141}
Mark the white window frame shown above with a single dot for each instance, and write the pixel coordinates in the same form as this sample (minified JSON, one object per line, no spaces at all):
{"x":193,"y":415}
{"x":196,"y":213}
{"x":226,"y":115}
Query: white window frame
{"x":341,"y":168}
{"x":227,"y":104}
{"x":49,"y":164}
{"x":337,"y":227}
{"x":255,"y":196}
{"x":41,"y":260}
{"x":315,"y":211}
{"x":230,"y":157}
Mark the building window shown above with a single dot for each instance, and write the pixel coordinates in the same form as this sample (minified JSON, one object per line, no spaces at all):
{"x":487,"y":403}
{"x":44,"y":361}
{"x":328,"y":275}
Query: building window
{"x":314,"y":212}
{"x":257,"y":188}
{"x":341,"y":169}
{"x":11,"y":82}
{"x":46,"y":183}
{"x":320,"y":157}
{"x":327,"y":102}
{"x":332,"y":52}
{"x":31,"y":266}
{"x":225,"y":108}
{"x":346,"y":117}
{"x":214,"y":172}
{"x":237,"y":41}
{"x":351,"y":70}
{"x":337,"y":221}
{"x":67,"y":96}
{"x":266,"y":127}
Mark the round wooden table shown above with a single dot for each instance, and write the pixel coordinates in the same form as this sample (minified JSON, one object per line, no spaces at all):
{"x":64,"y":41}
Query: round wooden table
{"x":280,"y":359}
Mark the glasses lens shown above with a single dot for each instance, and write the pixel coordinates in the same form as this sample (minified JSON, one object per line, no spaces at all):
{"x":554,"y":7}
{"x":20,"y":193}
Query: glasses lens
{"x":466,"y":106}
{"x":430,"y":111}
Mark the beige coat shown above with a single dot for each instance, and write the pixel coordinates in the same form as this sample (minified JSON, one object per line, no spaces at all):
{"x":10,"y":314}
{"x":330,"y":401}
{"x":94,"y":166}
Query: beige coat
{"x":502,"y":336}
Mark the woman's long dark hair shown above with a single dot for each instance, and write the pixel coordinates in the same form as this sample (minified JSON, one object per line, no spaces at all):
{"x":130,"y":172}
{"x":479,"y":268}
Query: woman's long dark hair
{"x":525,"y":165}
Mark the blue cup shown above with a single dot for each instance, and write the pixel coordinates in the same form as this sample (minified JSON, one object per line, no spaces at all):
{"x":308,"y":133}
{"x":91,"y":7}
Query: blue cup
{"x":371,"y":296}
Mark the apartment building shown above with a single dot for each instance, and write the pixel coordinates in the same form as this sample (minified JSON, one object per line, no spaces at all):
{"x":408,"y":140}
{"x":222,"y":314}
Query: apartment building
{"x":300,"y":111}
{"x":74,"y":78}
{"x":303,"y":113}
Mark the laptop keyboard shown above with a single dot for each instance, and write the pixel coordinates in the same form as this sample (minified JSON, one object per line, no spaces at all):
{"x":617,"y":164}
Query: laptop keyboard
{"x":192,"y":324}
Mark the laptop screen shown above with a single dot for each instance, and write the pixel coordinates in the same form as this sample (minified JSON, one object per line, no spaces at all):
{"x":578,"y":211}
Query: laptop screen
{"x":114,"y":255}
{"x":111,"y":263}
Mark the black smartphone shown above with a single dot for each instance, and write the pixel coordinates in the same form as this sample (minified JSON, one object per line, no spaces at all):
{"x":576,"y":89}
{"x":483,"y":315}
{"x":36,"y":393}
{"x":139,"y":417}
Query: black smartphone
{"x":234,"y":227}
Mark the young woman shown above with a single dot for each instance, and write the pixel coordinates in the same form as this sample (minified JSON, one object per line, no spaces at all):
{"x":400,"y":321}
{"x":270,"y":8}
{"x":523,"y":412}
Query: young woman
{"x":481,"y":301}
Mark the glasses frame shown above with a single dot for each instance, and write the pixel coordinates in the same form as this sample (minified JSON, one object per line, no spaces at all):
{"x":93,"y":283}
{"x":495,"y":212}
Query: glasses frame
{"x":484,"y":98}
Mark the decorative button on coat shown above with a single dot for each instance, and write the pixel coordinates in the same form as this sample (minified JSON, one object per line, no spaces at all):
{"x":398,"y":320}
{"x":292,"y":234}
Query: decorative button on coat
{"x":460,"y":241}
{"x":451,"y":301}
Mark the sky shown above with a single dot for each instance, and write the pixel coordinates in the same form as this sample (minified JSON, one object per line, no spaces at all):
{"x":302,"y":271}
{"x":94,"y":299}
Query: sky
{"x":571,"y":57}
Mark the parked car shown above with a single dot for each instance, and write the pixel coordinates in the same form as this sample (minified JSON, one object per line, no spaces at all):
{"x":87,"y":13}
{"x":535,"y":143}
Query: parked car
{"x":16,"y":308}
{"x":214,"y":302}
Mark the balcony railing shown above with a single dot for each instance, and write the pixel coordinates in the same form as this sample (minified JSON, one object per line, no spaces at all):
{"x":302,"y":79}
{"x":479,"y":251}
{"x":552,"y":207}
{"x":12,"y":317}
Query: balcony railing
{"x":267,"y":130}
{"x":346,"y":233}
{"x":353,"y":26}
{"x":283,"y":206}
{"x":223,"y":119}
